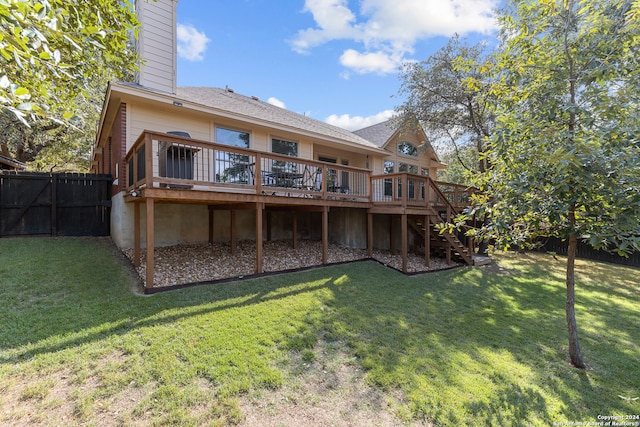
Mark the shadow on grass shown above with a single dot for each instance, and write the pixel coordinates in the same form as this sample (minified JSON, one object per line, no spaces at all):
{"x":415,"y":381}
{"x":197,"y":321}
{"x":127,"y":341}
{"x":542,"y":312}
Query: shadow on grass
{"x":469,"y":346}
{"x":439,"y":339}
{"x":77,"y":312}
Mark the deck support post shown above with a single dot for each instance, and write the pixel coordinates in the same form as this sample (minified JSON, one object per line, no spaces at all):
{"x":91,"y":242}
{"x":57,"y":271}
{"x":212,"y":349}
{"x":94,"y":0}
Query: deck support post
{"x":325,"y":234}
{"x":234,"y":237}
{"x":150,"y":242}
{"x":294,"y":229}
{"x":259,"y":209}
{"x":427,"y":241}
{"x":210,"y":225}
{"x":136,"y":234}
{"x":405,"y":241}
{"x":369,"y":235}
{"x":269,"y":223}
{"x":392,"y":236}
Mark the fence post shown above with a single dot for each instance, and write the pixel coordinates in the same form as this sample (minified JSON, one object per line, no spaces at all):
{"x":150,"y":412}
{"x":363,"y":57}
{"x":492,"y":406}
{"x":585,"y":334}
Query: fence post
{"x":53,"y":179}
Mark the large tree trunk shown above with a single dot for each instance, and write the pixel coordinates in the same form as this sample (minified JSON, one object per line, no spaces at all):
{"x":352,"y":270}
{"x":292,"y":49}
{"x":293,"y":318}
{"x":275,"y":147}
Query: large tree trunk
{"x":574,"y":345}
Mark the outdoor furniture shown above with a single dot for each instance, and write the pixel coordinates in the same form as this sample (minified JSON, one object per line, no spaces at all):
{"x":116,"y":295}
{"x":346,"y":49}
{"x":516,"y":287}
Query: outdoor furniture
{"x":283,"y":178}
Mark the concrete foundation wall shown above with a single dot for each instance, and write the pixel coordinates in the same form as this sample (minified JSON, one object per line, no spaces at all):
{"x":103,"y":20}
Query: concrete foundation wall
{"x":189,"y":224}
{"x":174,"y":223}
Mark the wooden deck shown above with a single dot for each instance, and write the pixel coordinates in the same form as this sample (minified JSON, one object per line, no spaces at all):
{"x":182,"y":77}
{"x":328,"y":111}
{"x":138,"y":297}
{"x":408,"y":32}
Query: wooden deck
{"x":172,"y":169}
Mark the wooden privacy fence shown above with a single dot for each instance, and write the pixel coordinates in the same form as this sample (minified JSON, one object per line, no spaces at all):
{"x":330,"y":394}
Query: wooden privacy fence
{"x":56,"y":204}
{"x":585,"y":251}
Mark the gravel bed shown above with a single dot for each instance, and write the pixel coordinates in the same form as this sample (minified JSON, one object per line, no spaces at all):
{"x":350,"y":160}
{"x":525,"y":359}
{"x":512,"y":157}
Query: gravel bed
{"x":180,"y":264}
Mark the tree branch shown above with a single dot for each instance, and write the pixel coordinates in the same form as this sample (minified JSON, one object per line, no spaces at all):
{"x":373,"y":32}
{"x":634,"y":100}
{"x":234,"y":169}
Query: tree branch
{"x":457,"y":151}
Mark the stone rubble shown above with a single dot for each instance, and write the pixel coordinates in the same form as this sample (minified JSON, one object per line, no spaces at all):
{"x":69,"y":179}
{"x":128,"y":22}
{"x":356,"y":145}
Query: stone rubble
{"x":181,"y":264}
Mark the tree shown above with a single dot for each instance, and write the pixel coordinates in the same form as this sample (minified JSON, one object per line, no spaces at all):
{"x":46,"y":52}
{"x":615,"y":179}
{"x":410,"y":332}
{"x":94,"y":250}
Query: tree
{"x":53,"y":52}
{"x":566,"y":148}
{"x":449,"y":94}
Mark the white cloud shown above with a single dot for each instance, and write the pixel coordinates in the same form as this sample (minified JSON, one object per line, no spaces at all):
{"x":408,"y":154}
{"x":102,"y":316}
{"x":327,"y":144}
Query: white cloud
{"x":373,"y":62}
{"x":334,"y":20}
{"x":275,"y":101}
{"x":191,"y":43}
{"x":345,"y":121}
{"x":388,"y":30}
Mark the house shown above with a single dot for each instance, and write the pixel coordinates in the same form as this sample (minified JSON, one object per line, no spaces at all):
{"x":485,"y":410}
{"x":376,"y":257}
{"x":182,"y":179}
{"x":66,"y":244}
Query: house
{"x":193,"y":164}
{"x":7,"y":163}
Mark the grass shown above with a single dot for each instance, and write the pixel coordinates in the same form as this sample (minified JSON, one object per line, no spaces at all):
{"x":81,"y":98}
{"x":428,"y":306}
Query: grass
{"x":471,"y":346}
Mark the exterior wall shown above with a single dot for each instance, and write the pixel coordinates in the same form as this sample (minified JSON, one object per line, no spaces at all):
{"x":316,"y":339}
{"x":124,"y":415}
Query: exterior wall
{"x":118,"y":148}
{"x":174,"y":223}
{"x":422,"y":161}
{"x":167,"y":117}
{"x":348,"y":227}
{"x":355,"y":159}
{"x":382,"y":225}
{"x":164,"y":119}
{"x":189,"y":224}
{"x":157,"y":44}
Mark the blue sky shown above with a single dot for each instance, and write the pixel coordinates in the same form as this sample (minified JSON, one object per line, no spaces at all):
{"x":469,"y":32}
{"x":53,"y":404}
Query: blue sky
{"x":334,"y":60}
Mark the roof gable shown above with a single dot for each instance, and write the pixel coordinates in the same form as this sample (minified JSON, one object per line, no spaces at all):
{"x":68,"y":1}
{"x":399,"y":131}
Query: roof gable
{"x":379,"y":134}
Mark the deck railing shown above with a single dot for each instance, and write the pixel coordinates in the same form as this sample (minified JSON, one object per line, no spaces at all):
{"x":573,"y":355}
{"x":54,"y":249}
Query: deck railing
{"x":458,"y":195}
{"x":158,"y":160}
{"x":170,"y":161}
{"x":403,"y":189}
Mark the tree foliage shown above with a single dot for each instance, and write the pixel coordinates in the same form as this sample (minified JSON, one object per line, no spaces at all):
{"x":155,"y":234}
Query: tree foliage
{"x":566,"y":148}
{"x":54,"y":54}
{"x":449,"y":94}
{"x":50,"y":49}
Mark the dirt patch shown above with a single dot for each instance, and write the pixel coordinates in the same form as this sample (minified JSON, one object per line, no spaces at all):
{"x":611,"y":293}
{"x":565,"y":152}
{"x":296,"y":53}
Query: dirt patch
{"x":495,"y":268}
{"x":326,"y":388}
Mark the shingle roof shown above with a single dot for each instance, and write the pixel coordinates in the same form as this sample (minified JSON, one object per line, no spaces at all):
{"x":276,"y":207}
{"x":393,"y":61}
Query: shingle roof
{"x":226,"y":100}
{"x":379,"y":134}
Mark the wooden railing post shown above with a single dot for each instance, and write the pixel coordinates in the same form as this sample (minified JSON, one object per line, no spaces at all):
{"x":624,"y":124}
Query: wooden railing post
{"x":428,"y":192}
{"x":405,"y":190}
{"x":148,"y":152}
{"x":258,"y":173}
{"x":325,"y":172}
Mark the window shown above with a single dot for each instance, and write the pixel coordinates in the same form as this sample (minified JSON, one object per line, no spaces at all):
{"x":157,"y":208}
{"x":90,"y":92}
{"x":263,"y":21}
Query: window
{"x":407,"y":149}
{"x":389,"y":166}
{"x":232,"y":137}
{"x":425,"y":172}
{"x":231,"y":166}
{"x":286,"y":148}
{"x":409,"y":168}
{"x":332,"y":174}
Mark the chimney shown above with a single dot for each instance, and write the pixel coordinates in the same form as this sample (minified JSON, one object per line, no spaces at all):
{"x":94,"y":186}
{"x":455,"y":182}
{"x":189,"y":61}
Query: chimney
{"x":157,"y":45}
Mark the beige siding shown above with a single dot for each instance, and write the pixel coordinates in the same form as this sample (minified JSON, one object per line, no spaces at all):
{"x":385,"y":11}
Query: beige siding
{"x":422,"y":161}
{"x":164,"y":120}
{"x":157,"y":44}
{"x":355,"y":159}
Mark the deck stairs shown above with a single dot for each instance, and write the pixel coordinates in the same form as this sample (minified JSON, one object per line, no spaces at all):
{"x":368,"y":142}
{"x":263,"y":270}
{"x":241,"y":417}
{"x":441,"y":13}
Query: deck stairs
{"x":442,"y":240}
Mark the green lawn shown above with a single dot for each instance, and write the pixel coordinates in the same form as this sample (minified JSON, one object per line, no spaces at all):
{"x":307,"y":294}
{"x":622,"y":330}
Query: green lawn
{"x":470,"y":346}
